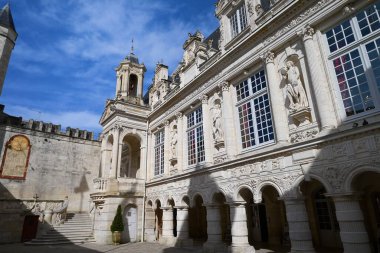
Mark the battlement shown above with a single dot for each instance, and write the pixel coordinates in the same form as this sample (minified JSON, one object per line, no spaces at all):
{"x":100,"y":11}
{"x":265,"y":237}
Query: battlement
{"x":41,"y":126}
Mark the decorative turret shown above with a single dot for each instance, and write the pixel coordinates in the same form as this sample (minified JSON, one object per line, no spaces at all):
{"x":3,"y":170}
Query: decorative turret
{"x":8,"y":36}
{"x":130,"y":76}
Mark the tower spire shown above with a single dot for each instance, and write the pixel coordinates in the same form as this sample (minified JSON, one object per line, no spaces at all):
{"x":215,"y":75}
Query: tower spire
{"x":132,"y":47}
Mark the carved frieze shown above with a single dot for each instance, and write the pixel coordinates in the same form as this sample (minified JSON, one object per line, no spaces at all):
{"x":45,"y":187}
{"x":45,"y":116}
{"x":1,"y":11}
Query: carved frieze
{"x":320,"y":4}
{"x":303,"y":135}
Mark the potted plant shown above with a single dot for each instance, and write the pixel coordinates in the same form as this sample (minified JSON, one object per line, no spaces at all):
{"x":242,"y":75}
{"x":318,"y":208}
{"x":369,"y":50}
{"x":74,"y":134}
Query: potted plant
{"x":117,"y":226}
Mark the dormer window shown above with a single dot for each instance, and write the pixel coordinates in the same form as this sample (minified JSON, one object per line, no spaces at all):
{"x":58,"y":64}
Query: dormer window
{"x":238,"y":21}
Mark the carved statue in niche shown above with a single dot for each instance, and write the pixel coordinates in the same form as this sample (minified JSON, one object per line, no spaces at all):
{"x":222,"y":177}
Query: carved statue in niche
{"x":217,"y":128}
{"x":294,"y":88}
{"x":173,"y":142}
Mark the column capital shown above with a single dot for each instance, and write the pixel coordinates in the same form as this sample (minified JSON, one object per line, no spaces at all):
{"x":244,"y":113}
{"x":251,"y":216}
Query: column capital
{"x":167,"y":122}
{"x":185,"y":208}
{"x":204,"y":99}
{"x":179,"y":115}
{"x":268,"y":57}
{"x":307,"y":33}
{"x":237,"y":204}
{"x":224,"y":86}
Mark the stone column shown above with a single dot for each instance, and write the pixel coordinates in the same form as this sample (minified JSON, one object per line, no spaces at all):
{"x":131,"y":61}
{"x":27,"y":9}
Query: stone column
{"x":149,"y":225}
{"x":214,"y":230}
{"x":277,"y":101}
{"x":351,"y":223}
{"x":167,"y":226}
{"x":167,"y":150}
{"x":139,"y":92}
{"x":319,"y":82}
{"x":207,"y":129}
{"x":115,"y":151}
{"x":181,"y":140}
{"x":228,"y":120}
{"x":239,"y":230}
{"x":299,"y":230}
{"x":183,"y":239}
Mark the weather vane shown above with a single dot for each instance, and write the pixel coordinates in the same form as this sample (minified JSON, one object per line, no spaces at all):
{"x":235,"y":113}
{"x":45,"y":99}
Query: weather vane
{"x":132,"y":47}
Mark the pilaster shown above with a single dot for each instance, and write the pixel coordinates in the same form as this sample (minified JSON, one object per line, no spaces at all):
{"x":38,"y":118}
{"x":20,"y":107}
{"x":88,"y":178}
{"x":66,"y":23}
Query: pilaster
{"x":280,"y":118}
{"x":181,"y":137}
{"x":207,"y":129}
{"x":228,"y":116}
{"x":319,"y":82}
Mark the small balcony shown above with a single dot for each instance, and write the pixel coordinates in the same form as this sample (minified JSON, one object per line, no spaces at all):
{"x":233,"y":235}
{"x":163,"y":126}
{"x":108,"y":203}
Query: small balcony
{"x":120,"y":186}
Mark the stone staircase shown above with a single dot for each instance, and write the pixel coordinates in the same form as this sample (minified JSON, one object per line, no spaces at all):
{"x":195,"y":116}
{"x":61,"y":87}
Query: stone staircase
{"x":77,"y":229}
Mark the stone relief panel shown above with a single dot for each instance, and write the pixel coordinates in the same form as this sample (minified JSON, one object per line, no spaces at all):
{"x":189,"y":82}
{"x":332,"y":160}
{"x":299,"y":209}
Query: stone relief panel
{"x":15,"y":158}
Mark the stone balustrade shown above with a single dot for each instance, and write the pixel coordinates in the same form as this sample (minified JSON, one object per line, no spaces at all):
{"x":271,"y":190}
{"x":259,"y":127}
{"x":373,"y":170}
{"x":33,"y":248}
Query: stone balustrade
{"x":100,"y":184}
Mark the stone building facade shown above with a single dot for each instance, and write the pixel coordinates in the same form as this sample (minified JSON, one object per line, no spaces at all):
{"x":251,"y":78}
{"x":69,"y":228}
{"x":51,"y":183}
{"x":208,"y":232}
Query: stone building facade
{"x":267,"y":133}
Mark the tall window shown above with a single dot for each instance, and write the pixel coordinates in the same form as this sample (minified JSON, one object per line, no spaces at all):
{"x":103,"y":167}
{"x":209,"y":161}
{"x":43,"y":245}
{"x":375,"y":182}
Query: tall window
{"x":238,"y":20}
{"x":195,"y":137}
{"x":256,"y":125}
{"x":354,"y":47}
{"x":159,"y":153}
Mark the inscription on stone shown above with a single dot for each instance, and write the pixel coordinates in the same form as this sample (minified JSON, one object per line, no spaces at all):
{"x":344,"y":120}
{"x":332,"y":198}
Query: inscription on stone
{"x":15,"y":158}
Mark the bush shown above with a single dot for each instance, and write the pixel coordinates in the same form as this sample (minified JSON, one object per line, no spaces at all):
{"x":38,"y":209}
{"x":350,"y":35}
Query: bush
{"x":117,"y":223}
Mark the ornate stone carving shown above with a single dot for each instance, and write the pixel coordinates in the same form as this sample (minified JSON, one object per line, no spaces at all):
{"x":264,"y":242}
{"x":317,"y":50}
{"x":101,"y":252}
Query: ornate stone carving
{"x":294,"y":88}
{"x":320,"y":4}
{"x":335,"y":176}
{"x":173,"y":141}
{"x":308,"y":32}
{"x":259,"y":10}
{"x":303,"y":136}
{"x":217,"y":128}
{"x":204,"y":99}
{"x":250,"y":8}
{"x":268,"y":57}
{"x":224,"y":86}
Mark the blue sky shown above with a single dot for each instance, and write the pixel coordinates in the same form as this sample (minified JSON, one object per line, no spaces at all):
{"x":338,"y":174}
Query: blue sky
{"x":62,"y":67}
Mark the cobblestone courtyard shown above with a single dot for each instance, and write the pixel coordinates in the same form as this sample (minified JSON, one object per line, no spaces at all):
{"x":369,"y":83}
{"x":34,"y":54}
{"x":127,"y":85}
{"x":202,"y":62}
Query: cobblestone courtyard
{"x":92,"y":248}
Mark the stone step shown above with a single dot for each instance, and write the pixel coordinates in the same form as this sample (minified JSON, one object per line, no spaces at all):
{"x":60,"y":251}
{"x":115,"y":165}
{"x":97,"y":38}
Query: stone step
{"x":76,"y":229}
{"x":35,"y":242}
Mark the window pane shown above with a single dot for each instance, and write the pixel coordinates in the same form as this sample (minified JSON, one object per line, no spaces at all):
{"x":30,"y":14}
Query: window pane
{"x":373,"y":55}
{"x":353,"y":83}
{"x":369,"y":20}
{"x":246,"y":125}
{"x":263,"y":118}
{"x":340,"y":36}
{"x":242,"y":90}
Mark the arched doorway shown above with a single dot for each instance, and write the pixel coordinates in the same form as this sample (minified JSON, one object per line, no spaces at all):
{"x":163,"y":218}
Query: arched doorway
{"x":130,"y":224}
{"x":367,"y":186}
{"x":158,"y":220}
{"x":322,"y":217}
{"x":269,"y":216}
{"x":130,"y":157}
{"x":198,"y":220}
{"x":133,"y":82}
{"x":171,"y":203}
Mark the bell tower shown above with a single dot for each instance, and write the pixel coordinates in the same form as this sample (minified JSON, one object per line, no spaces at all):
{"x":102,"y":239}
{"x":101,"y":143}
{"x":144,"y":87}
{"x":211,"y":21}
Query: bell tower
{"x":8,"y":36}
{"x":130,"y":77}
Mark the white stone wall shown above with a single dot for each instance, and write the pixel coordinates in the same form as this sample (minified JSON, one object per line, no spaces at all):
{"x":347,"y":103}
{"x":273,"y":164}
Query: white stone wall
{"x":59,"y":166}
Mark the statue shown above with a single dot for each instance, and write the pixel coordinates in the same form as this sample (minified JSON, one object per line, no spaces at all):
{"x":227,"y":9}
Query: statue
{"x":173,"y":143}
{"x":294,"y":89}
{"x":217,"y":123}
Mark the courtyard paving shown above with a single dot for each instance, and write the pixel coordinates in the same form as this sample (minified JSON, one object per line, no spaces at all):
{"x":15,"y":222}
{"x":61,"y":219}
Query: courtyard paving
{"x":94,"y":248}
